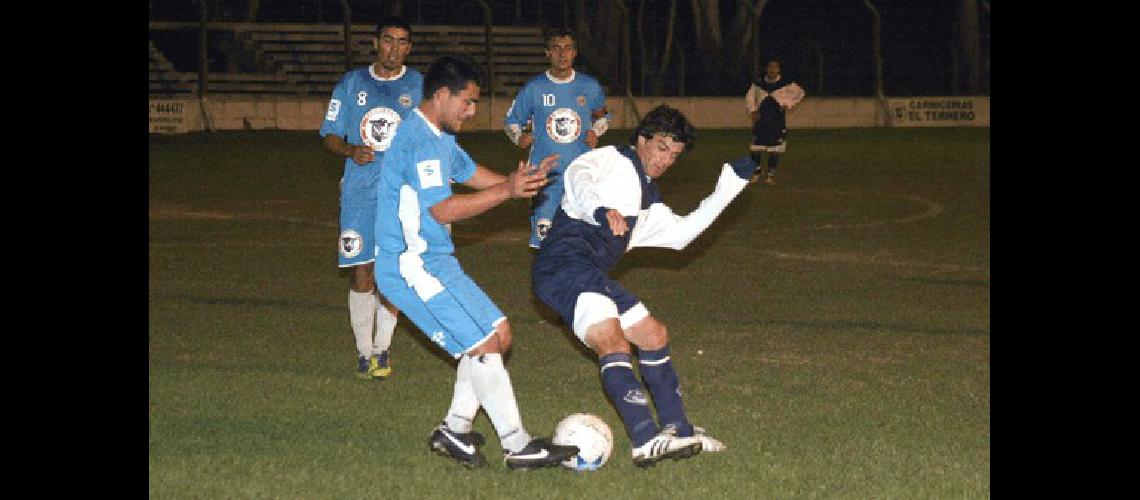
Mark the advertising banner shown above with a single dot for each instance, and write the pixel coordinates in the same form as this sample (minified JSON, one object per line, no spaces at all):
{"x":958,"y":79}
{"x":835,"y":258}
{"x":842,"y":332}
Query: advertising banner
{"x":940,"y":112}
{"x":168,"y":117}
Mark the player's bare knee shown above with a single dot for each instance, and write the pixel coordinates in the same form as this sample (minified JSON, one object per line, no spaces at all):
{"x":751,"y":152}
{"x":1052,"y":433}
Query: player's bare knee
{"x":363,"y":278}
{"x":659,"y":335}
{"x":606,"y":338}
{"x":648,"y":333}
{"x":498,"y":342}
{"x":503,"y":331}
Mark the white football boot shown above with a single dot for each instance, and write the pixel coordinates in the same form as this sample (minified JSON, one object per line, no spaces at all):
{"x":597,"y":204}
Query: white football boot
{"x":708,"y":443}
{"x":664,"y":445}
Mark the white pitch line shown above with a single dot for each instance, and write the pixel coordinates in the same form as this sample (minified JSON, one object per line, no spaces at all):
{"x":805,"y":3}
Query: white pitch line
{"x":856,"y":259}
{"x":174,"y":214}
{"x":933,"y":209}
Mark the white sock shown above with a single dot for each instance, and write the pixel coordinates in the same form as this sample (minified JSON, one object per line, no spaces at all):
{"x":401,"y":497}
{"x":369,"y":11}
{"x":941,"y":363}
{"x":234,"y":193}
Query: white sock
{"x":362,"y":314}
{"x":464,"y":403}
{"x":385,"y":326}
{"x":492,"y":385}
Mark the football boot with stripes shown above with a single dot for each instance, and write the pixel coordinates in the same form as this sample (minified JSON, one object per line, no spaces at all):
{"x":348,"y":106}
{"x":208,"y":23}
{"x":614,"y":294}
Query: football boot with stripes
{"x":708,"y":443}
{"x":664,"y":445}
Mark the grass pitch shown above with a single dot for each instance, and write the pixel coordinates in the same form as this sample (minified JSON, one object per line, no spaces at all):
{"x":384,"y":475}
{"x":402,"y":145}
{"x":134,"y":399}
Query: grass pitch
{"x":833,"y":330}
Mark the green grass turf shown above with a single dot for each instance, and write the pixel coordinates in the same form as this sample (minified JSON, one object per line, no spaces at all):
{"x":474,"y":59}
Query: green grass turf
{"x":833,"y":330}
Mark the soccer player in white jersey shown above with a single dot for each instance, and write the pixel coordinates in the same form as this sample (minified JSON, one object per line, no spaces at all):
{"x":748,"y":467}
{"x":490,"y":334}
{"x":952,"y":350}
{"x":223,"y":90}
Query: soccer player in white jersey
{"x":567,"y":112}
{"x":612,"y":205}
{"x":366,"y":107}
{"x":417,"y":270}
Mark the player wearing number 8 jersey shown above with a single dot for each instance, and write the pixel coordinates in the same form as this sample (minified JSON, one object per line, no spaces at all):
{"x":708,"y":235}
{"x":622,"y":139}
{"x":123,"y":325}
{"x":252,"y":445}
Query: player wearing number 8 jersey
{"x":366,"y":107}
{"x":566,"y":110}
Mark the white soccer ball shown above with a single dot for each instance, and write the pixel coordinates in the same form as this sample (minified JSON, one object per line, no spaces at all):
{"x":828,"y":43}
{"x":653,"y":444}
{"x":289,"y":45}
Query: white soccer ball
{"x":591,"y":435}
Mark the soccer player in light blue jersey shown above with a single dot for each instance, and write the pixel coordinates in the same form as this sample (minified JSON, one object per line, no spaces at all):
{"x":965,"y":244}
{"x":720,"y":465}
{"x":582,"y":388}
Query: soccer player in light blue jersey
{"x":567,"y":113}
{"x":366,"y":107}
{"x":417,"y":270}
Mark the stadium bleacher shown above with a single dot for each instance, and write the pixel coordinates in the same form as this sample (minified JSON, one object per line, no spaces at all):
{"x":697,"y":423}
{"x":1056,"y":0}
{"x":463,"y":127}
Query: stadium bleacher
{"x":309,"y":59}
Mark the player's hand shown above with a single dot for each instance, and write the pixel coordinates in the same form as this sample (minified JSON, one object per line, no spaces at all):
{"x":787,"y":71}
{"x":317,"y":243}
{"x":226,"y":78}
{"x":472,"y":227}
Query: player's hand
{"x":525,"y":140}
{"x":546,"y":164}
{"x":362,"y":155}
{"x":527,"y":180}
{"x":611,"y":218}
{"x":743,"y":167}
{"x":591,"y":139}
{"x":616,"y":222}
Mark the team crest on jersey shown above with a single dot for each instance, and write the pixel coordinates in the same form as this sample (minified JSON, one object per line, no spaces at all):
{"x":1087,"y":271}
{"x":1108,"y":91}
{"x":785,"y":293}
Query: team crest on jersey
{"x":351,"y":244}
{"x":377,"y":128}
{"x":563,"y":125}
{"x":582,"y":100}
{"x":406,"y":100}
{"x":543,"y":227}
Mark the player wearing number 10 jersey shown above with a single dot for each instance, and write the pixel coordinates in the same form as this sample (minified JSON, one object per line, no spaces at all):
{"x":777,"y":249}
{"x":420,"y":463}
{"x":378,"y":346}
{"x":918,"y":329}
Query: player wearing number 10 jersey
{"x":567,"y":113}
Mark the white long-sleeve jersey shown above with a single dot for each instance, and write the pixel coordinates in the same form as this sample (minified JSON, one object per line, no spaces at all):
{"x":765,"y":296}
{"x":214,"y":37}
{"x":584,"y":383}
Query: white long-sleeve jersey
{"x":613,"y":177}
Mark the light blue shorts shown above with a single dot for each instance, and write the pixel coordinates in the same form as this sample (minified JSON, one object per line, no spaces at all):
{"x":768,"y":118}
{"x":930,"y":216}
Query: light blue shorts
{"x":543,"y":207}
{"x":357,"y":242}
{"x":446,"y":305}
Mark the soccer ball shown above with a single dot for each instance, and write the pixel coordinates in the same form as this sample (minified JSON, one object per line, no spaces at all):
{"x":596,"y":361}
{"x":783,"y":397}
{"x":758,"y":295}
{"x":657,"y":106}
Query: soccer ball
{"x":591,"y":435}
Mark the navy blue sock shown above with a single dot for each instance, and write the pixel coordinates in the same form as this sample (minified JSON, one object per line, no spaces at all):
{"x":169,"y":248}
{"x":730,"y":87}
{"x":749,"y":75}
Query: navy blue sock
{"x":658,"y":373}
{"x":773,"y":160}
{"x":628,"y":396}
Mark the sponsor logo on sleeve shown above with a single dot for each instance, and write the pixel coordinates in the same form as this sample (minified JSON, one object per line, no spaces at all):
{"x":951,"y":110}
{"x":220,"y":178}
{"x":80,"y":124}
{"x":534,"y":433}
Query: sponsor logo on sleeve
{"x":430,"y":174}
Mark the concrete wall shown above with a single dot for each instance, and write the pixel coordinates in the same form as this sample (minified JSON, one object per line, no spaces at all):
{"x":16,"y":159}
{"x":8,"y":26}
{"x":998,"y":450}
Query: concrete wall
{"x":290,"y":113}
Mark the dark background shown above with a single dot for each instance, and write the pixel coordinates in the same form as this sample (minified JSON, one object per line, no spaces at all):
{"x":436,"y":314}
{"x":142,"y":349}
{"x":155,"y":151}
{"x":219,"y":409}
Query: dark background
{"x":826,"y":45}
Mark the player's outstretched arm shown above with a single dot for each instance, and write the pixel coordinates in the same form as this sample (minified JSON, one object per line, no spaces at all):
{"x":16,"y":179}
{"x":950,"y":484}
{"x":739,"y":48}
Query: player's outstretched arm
{"x":662,"y":228}
{"x":523,"y":182}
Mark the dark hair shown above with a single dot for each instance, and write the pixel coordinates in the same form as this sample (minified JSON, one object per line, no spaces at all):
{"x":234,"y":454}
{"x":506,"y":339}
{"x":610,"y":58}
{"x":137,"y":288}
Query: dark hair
{"x":666,"y":120}
{"x":553,"y":33}
{"x":453,"y":72}
{"x":393,"y":22}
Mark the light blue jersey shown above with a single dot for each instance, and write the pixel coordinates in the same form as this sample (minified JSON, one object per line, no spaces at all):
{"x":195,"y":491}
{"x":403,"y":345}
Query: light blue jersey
{"x":561,"y":113}
{"x":366,"y":109}
{"x":415,"y":266}
{"x":418,"y":171}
